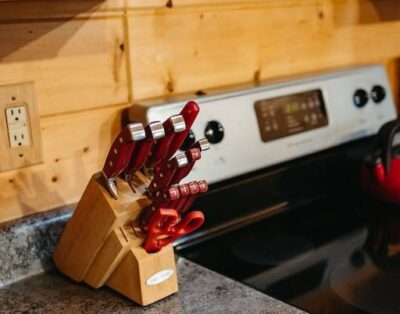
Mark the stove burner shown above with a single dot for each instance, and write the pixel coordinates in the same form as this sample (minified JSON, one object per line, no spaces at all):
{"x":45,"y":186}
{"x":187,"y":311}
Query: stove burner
{"x":270,"y":249}
{"x":367,"y":286}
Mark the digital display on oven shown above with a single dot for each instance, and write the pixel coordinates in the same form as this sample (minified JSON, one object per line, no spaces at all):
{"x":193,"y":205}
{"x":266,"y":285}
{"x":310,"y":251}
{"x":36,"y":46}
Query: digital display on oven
{"x":290,"y":114}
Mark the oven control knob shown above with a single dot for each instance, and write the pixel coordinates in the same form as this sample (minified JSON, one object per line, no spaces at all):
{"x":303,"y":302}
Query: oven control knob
{"x":189,"y":141}
{"x":214,"y":132}
{"x":378,"y":93}
{"x":360,"y":98}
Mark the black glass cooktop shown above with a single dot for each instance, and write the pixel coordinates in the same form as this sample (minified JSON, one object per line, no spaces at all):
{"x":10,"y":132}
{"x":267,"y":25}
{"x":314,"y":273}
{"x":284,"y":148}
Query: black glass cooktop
{"x":340,"y":254}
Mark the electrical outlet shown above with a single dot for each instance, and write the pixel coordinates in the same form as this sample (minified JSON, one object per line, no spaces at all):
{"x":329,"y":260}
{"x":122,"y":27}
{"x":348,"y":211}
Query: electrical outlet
{"x":20,"y":139}
{"x":17,"y":124}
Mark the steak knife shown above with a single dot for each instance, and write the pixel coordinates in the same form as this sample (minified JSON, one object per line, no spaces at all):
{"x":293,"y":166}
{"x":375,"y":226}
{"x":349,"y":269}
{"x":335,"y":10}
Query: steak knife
{"x":120,"y":153}
{"x":167,"y":196}
{"x":192,"y":156}
{"x":202,"y":187}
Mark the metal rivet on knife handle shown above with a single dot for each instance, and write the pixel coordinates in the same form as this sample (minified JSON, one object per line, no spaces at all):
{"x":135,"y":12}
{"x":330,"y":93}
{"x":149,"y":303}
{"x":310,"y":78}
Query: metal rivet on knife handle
{"x":120,"y":153}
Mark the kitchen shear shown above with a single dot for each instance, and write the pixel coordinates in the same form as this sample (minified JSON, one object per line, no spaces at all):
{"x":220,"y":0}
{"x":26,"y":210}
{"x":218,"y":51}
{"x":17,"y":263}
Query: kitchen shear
{"x":166,"y":226}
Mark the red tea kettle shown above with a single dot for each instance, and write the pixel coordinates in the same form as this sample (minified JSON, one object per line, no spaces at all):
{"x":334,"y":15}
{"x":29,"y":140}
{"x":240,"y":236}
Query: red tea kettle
{"x":381,"y":170}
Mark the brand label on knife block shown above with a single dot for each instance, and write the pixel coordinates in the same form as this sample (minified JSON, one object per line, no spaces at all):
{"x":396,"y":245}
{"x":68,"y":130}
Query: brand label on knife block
{"x":159,"y":277}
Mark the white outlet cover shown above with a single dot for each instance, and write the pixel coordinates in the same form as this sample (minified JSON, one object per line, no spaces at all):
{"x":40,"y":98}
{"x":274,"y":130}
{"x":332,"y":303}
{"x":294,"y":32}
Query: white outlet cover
{"x":18,"y":130}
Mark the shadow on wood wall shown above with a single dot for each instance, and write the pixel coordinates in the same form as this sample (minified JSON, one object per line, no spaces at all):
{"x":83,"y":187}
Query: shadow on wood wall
{"x":21,"y":26}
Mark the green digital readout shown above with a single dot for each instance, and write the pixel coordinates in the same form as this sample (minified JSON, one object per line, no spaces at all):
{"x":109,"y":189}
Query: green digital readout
{"x":291,"y":107}
{"x":287,"y":115}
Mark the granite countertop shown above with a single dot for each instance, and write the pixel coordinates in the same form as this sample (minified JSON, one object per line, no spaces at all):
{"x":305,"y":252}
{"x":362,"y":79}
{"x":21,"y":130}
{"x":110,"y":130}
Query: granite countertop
{"x":201,"y":291}
{"x":30,"y":284}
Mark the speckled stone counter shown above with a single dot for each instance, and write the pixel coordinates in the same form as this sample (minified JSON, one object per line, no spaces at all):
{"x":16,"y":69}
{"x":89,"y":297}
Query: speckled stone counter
{"x":30,"y":284}
{"x":201,"y":291}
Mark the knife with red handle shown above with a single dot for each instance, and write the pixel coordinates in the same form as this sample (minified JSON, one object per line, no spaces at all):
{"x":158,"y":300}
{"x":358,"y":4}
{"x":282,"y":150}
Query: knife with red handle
{"x":165,"y":227}
{"x":192,"y":156}
{"x":184,"y":192}
{"x":154,"y":131}
{"x":163,"y":176}
{"x":202,"y":144}
{"x":202,"y":187}
{"x":120,"y":154}
{"x":189,"y":114}
{"x":172,"y":127}
{"x":166,"y":197}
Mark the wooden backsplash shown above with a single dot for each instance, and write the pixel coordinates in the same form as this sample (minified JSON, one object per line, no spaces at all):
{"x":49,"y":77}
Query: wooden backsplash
{"x":91,"y":59}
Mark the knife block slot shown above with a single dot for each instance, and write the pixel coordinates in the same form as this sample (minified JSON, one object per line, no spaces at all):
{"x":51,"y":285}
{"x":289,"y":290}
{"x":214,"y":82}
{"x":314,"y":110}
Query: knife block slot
{"x":101,"y":245}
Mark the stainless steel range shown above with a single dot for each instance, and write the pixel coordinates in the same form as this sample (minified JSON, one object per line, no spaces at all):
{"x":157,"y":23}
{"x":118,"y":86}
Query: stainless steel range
{"x":286,"y":213}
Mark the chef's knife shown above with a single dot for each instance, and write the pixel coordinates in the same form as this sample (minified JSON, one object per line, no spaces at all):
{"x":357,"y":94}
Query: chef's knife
{"x":154,"y":131}
{"x":172,"y":127}
{"x":163,"y":176}
{"x":192,"y":156}
{"x":120,"y":153}
{"x":189,"y":114}
{"x":202,"y":187}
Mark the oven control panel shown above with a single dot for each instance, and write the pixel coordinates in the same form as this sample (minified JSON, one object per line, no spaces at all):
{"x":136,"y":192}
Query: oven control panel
{"x":250,"y":128}
{"x":290,"y":114}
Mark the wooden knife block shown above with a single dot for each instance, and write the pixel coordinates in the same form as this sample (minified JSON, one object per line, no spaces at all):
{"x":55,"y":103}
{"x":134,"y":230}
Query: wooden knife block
{"x":101,"y":245}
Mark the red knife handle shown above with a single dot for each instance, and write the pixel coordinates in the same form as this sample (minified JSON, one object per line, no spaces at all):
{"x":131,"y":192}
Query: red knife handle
{"x":154,"y":131}
{"x":192,"y":155}
{"x":163,"y":176}
{"x":184,"y":192}
{"x":172,"y":126}
{"x":202,"y":144}
{"x":122,"y":149}
{"x":157,"y":232}
{"x":202,"y":187}
{"x":189,"y":114}
{"x":167,"y":196}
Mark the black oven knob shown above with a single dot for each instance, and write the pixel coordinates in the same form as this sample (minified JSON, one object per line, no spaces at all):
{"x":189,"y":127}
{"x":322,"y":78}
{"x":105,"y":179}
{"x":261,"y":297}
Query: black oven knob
{"x":378,"y":93}
{"x":214,"y":132}
{"x":189,"y":141}
{"x":360,"y":98}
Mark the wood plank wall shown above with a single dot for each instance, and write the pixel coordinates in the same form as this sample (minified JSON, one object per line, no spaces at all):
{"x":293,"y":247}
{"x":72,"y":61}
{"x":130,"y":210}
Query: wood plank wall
{"x":90,"y":59}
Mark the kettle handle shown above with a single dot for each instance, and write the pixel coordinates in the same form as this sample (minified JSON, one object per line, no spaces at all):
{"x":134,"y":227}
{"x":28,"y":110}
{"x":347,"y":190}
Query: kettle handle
{"x":385,"y":141}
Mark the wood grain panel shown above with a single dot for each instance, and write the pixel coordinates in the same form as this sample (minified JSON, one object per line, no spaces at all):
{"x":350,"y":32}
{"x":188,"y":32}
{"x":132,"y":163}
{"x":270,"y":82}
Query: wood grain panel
{"x":74,"y":147}
{"x":75,"y":64}
{"x":192,"y":49}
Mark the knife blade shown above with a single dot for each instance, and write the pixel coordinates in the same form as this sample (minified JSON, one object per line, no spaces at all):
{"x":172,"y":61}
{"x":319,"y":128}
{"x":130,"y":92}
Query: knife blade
{"x":163,"y":176}
{"x":192,"y":156}
{"x":154,"y":131}
{"x":189,"y":114}
{"x":172,"y":126}
{"x":202,"y":187}
{"x":120,"y":153}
